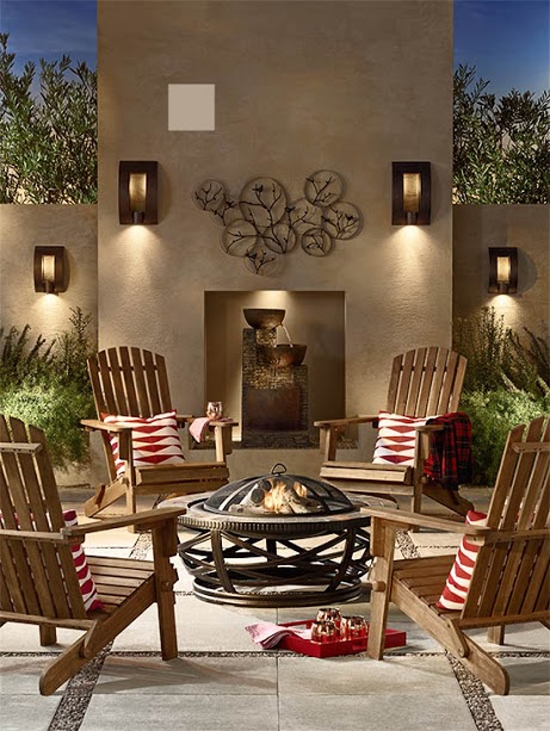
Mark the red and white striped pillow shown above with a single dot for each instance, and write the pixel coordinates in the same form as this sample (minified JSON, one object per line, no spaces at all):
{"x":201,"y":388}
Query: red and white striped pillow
{"x":458,"y":582}
{"x":155,"y":440}
{"x":88,"y":588}
{"x":396,"y":438}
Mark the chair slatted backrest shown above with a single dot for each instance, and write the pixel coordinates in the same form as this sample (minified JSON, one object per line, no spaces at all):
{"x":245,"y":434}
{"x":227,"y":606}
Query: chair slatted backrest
{"x":426,"y":382}
{"x":36,"y":577}
{"x":129,"y":382}
{"x":511,"y":578}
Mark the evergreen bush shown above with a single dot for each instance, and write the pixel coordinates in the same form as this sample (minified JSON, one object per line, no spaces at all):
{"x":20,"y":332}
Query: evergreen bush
{"x":507,"y":383}
{"x":47,"y":385}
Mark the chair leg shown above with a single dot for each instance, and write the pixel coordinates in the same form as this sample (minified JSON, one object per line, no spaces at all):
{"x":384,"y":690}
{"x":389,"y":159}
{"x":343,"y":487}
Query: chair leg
{"x":48,"y":635}
{"x":164,"y":545}
{"x":449,"y":498}
{"x":383,"y":547}
{"x":63,"y":667}
{"x":105,"y":496}
{"x":496,"y":634}
{"x":486,"y":668}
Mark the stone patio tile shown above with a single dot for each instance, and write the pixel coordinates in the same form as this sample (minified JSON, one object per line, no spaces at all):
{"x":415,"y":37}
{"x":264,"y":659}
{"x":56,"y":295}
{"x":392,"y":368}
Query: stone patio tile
{"x":201,"y":712}
{"x":20,"y":676}
{"x":360,"y":675}
{"x":200,"y":626}
{"x":532,"y":636}
{"x":25,"y":712}
{"x":521,"y":713}
{"x":422,"y":711}
{"x":188,"y":676}
{"x":529,"y":677}
{"x":15,"y":637}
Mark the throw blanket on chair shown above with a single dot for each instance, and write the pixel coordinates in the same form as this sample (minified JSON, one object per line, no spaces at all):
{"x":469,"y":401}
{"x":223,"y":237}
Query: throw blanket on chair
{"x":450,"y":460}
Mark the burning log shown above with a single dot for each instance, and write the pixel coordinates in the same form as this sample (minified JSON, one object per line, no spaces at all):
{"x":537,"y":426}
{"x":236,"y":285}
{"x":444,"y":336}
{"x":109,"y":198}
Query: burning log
{"x":274,"y":496}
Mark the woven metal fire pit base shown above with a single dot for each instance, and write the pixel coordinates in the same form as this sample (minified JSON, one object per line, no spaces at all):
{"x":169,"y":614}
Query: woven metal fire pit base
{"x":267,"y":562}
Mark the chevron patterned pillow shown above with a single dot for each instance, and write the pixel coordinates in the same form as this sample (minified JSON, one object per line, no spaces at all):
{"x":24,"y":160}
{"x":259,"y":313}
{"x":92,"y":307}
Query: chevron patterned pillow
{"x":155,"y":440}
{"x":396,"y":438}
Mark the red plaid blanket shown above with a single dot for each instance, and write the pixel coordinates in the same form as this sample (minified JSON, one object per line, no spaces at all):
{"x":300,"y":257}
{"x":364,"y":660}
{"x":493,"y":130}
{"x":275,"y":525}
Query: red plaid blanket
{"x":450,"y":460}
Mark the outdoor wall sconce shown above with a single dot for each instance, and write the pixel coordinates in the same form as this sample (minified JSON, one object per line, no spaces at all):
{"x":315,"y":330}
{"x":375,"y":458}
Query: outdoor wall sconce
{"x":503,"y":270}
{"x":51,"y":269}
{"x":411,"y":196}
{"x":137,"y":192}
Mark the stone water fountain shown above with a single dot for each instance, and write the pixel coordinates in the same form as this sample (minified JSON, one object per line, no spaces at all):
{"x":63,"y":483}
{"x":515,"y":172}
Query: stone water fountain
{"x":275,"y":392}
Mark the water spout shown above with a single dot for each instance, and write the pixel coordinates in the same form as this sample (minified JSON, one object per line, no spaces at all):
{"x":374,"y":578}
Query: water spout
{"x":287,"y":335}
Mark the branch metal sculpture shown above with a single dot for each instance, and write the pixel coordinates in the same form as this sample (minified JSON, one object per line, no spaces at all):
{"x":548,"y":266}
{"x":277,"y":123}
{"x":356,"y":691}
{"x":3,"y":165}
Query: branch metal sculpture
{"x":261,"y":225}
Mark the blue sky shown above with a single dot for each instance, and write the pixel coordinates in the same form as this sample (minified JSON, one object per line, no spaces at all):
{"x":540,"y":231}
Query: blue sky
{"x":49,"y":28}
{"x":507,"y":40}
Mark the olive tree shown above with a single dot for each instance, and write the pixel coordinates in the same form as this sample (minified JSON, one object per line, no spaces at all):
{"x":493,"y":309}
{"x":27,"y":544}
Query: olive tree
{"x":48,"y":131}
{"x":501,"y":151}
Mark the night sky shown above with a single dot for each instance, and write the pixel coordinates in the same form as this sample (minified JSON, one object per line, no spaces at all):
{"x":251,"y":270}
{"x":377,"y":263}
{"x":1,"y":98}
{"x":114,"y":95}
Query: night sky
{"x":50,"y":28}
{"x":507,"y":40}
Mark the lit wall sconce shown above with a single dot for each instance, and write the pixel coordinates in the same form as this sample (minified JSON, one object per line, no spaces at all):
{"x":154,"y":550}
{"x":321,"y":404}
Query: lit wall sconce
{"x":503,"y":270}
{"x":137,"y":192}
{"x":411,"y":196}
{"x":51,"y":269}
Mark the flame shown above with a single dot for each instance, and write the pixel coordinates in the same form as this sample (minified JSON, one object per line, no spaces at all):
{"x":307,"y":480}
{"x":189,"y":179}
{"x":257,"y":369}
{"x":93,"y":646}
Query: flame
{"x":276,"y":498}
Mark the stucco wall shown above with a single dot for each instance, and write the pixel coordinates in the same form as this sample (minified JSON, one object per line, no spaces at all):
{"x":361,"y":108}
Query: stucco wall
{"x":475,"y":229}
{"x":300,"y":86}
{"x":22,"y":227}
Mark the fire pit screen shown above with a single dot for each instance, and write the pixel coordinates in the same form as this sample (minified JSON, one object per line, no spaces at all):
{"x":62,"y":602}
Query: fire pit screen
{"x":278,"y":494}
{"x":276,"y":540}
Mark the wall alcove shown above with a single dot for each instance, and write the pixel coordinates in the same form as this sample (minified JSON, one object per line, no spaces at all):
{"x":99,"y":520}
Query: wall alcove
{"x":316,"y":319}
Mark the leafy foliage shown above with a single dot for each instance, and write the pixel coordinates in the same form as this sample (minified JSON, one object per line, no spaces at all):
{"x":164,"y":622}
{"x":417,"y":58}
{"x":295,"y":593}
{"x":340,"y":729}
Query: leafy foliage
{"x":48,"y":141}
{"x":501,"y":150}
{"x":507,"y":383}
{"x":498,"y":356}
{"x":47,"y":385}
{"x":493,"y":413}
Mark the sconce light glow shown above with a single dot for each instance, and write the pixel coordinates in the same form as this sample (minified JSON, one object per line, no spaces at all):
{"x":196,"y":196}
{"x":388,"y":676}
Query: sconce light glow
{"x":138,"y":192}
{"x":51,"y":269}
{"x":503,"y":270}
{"x":411,"y":193}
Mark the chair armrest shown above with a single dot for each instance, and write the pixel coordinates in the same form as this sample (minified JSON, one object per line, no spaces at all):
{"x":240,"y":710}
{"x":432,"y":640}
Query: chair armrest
{"x":228,"y":424}
{"x":345,"y":421}
{"x":406,"y":519}
{"x":147,"y":516}
{"x":184,"y":418}
{"x":428,"y":428}
{"x":97,"y":424}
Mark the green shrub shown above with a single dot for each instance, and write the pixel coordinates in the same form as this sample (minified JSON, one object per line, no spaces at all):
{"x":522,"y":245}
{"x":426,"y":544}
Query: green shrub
{"x":507,"y":383}
{"x":47,"y":385}
{"x":57,"y":408}
{"x":493,"y":414}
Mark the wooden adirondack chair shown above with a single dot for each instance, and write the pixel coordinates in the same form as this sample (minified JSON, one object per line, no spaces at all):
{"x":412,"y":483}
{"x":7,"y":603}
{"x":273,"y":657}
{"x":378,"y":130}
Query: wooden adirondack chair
{"x":38,"y":578}
{"x":423,"y":382}
{"x":510,"y":579}
{"x":133,"y":382}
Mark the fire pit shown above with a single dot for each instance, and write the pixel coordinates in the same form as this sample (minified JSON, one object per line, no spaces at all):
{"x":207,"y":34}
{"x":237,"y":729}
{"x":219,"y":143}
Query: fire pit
{"x":276,"y":540}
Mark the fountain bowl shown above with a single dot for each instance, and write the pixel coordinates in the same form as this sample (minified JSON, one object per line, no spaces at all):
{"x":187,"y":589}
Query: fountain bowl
{"x":261,"y":319}
{"x":285,"y":354}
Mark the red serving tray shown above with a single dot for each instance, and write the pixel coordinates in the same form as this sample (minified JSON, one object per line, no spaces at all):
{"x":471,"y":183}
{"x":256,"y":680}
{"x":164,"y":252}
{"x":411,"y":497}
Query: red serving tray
{"x":394,"y":638}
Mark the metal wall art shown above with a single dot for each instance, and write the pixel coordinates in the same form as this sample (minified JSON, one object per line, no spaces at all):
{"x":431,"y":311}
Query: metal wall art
{"x":261,"y":225}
